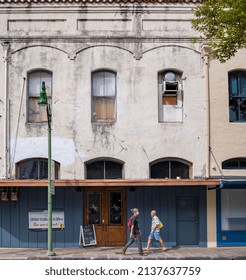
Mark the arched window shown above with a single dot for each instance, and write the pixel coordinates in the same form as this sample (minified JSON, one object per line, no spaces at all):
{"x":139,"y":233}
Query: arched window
{"x":234,"y":163}
{"x":237,"y":96}
{"x":35,"y":168}
{"x":35,"y":79}
{"x":171,"y":169}
{"x":170,"y":96}
{"x":104,"y":169}
{"x":103,"y":96}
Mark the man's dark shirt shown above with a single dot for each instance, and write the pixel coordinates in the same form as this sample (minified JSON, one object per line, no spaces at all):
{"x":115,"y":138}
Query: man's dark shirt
{"x":135,"y":223}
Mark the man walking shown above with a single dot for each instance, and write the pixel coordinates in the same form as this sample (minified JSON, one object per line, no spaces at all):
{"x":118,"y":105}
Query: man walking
{"x":155,"y":231}
{"x":134,"y":234}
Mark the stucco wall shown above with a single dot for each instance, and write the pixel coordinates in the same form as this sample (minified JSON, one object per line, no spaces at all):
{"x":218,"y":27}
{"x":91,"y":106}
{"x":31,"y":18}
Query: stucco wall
{"x":135,"y":45}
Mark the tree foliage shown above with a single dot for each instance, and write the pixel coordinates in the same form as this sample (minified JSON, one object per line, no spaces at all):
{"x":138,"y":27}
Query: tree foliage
{"x":222,"y":24}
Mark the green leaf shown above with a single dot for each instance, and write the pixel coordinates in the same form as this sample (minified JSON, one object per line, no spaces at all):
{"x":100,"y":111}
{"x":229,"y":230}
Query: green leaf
{"x":222,"y":24}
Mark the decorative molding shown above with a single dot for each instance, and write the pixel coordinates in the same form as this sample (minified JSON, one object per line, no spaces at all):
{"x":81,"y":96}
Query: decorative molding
{"x":138,"y":52}
{"x":37,"y":45}
{"x":35,"y":25}
{"x":138,"y":2}
{"x":205,"y":50}
{"x":171,"y":46}
{"x":103,"y":45}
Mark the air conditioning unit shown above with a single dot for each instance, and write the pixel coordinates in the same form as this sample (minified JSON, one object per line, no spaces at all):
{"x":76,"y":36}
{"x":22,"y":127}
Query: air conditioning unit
{"x":170,"y":87}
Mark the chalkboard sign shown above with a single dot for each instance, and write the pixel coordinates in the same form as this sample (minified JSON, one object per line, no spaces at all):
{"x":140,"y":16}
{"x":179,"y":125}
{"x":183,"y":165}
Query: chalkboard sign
{"x":87,"y":236}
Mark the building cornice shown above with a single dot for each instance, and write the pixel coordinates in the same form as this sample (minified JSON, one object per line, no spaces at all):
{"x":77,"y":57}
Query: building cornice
{"x":137,"y":2}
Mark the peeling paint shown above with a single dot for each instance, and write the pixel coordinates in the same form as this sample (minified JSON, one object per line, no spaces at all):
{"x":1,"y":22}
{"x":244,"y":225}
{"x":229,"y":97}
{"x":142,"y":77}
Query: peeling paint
{"x":102,"y":134}
{"x":63,"y":149}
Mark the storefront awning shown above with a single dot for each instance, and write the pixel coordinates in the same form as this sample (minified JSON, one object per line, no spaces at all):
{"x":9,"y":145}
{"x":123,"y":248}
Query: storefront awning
{"x":111,"y":183}
{"x":231,"y":183}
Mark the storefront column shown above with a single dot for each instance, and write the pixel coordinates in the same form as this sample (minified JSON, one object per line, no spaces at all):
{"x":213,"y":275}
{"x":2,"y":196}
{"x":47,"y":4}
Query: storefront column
{"x":211,"y":218}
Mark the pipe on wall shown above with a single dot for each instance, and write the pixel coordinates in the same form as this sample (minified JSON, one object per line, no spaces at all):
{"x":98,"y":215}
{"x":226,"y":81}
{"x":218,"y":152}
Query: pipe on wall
{"x":5,"y":46}
{"x":206,"y":52}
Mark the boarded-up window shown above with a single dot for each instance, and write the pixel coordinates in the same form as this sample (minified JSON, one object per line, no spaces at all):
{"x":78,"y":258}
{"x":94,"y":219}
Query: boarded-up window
{"x":35,"y":80}
{"x":103,"y":96}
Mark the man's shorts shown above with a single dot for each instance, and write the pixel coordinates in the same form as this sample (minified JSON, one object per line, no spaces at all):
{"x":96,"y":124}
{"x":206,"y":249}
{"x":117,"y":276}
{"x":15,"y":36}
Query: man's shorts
{"x":155,"y":235}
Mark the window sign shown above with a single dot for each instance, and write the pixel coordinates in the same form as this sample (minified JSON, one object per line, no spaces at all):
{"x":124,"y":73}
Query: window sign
{"x":38,"y":219}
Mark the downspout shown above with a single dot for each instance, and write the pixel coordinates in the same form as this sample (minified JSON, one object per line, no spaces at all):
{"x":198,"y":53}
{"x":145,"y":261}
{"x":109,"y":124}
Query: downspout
{"x":210,"y":196}
{"x":6,"y":46}
{"x":206,"y":51}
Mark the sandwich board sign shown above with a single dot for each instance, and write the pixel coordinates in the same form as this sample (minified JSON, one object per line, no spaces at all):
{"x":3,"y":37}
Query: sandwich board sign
{"x":87,"y":235}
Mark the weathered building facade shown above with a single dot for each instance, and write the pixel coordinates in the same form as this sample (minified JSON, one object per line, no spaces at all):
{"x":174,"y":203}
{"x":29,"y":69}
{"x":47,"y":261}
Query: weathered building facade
{"x":130,"y":121}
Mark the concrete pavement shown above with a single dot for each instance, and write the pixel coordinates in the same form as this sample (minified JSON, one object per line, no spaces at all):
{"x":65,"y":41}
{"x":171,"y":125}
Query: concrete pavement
{"x":114,"y":253}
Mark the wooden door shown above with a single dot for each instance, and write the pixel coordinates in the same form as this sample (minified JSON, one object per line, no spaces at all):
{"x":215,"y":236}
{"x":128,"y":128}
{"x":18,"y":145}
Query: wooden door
{"x":106,"y":209}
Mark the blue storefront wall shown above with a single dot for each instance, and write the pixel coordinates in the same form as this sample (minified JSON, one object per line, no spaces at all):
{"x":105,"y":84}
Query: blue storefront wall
{"x":164,"y":201}
{"x":14,"y":230}
{"x":231,"y":237}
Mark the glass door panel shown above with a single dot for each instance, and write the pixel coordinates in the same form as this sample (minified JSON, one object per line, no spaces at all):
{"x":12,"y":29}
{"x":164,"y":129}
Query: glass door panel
{"x":106,"y":209}
{"x":94,"y":205}
{"x":115,"y":208}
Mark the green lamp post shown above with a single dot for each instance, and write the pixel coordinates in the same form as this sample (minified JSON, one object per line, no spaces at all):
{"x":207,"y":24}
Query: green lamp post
{"x":43,"y":102}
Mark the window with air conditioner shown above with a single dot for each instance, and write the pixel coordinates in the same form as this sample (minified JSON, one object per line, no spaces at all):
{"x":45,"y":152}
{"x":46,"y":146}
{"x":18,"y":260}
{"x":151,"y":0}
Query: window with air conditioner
{"x":170,"y":96}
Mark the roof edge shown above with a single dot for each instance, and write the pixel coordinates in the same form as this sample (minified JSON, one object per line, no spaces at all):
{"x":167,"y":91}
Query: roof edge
{"x":138,"y":2}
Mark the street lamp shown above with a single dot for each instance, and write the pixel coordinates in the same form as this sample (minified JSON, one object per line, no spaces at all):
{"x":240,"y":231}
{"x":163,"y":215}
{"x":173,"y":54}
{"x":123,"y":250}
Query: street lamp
{"x":44,"y":104}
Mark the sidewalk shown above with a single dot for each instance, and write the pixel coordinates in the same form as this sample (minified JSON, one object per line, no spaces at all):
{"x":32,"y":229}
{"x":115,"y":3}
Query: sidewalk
{"x":114,"y":253}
